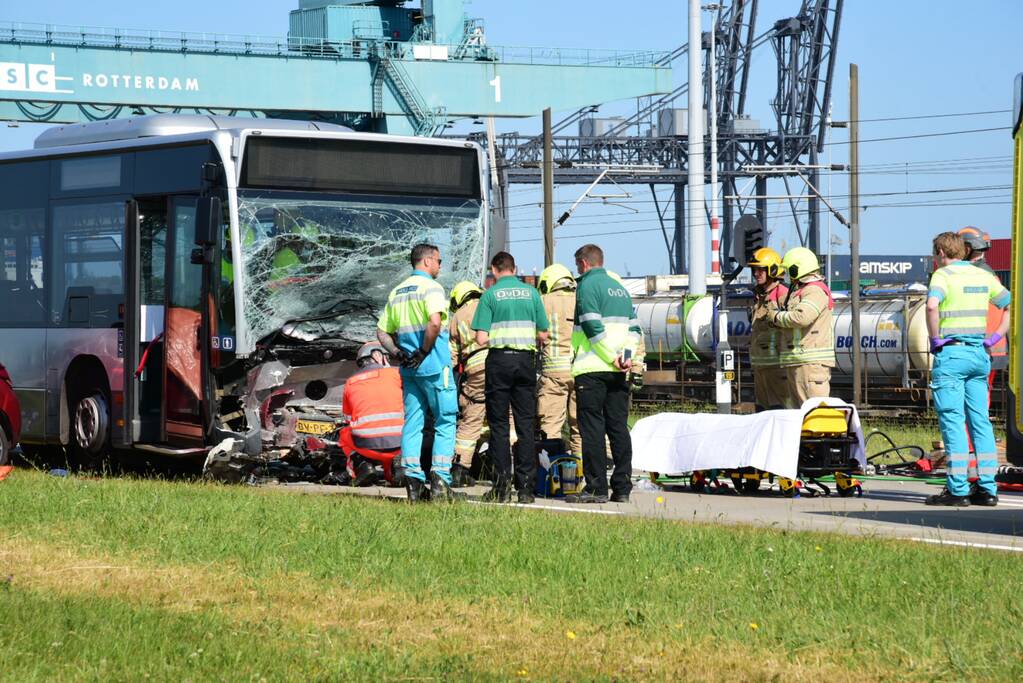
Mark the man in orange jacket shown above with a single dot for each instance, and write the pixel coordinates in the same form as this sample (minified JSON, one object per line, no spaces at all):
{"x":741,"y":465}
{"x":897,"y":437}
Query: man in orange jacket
{"x":373,"y":405}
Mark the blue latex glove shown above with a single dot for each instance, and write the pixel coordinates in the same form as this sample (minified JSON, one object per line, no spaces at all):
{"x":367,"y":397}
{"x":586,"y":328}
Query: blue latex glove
{"x":937,"y":343}
{"x":993,"y":339}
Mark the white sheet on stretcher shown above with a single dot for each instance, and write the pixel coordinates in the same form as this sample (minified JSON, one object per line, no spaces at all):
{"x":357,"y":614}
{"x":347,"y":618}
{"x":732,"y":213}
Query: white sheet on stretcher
{"x":675,"y":443}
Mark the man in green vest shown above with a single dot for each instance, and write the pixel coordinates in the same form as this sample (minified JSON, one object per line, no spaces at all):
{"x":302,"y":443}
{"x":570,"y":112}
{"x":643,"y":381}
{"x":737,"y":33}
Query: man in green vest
{"x":509,"y":320}
{"x":605,"y":340}
{"x":957,"y":308}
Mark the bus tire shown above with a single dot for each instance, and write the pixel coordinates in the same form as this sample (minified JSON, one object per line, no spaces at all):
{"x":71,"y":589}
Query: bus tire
{"x":90,"y":428}
{"x":1013,"y":438}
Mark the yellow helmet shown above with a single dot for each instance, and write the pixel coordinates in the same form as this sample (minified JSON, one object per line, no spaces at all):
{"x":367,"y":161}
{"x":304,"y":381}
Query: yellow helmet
{"x":800,"y":262}
{"x":766,"y":257}
{"x":552,"y":275}
{"x":461,"y":292}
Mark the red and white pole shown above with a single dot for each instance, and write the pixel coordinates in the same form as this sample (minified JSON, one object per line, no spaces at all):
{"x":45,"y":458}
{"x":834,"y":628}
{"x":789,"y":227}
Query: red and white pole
{"x":715,"y":245}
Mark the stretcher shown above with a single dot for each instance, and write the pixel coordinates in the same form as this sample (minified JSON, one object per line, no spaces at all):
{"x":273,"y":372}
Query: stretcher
{"x":803,"y":451}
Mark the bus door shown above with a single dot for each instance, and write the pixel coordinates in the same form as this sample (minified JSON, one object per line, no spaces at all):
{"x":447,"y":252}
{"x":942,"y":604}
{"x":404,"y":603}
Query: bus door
{"x":162,"y":339}
{"x":183,"y":376}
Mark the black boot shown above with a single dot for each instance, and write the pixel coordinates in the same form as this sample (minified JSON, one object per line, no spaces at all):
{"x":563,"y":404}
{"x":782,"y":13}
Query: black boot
{"x":981,"y":497}
{"x":501,"y":493}
{"x":440,"y":491}
{"x":365,"y":474}
{"x":526,"y":497}
{"x":460,"y":477}
{"x":946,"y":498}
{"x":416,"y":490}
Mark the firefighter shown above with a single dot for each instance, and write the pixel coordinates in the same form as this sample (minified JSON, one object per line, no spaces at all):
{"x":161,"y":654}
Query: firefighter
{"x":372,"y":404}
{"x":808,"y":346}
{"x":977,"y":244}
{"x":556,"y":390}
{"x":769,"y":378}
{"x":603,"y":342}
{"x":957,"y":306}
{"x":413,"y":327}
{"x":469,"y":361}
{"x":509,"y":321}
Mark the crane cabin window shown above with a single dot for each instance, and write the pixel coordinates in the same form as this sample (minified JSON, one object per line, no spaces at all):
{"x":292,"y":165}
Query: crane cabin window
{"x":361,"y":166}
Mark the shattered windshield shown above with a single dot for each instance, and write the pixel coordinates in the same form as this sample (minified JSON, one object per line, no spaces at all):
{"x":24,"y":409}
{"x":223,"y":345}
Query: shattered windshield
{"x":303,"y":253}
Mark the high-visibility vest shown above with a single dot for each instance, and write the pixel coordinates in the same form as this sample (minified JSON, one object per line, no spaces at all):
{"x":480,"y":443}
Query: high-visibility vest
{"x":964,"y":291}
{"x":408,"y":311}
{"x":605,"y":323}
{"x":373,"y":403}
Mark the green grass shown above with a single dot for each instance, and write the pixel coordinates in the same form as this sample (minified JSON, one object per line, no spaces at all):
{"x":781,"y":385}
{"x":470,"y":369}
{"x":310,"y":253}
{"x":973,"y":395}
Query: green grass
{"x":119,"y":579}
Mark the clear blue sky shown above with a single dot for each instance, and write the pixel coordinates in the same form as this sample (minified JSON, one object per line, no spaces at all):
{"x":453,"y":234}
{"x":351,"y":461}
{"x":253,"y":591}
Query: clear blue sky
{"x":916,"y":58}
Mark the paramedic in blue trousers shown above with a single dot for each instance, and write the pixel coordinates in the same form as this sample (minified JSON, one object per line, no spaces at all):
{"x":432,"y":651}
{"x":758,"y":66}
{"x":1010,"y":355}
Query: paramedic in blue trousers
{"x":413,"y":327}
{"x":957,"y":307}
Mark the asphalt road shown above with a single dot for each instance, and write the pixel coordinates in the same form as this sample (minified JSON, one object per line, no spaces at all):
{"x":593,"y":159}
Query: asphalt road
{"x":886,"y":509}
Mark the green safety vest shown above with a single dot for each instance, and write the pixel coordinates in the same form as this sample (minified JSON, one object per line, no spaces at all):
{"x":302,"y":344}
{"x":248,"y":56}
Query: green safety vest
{"x":511,"y":313}
{"x":605,"y":323}
{"x":964,"y":291}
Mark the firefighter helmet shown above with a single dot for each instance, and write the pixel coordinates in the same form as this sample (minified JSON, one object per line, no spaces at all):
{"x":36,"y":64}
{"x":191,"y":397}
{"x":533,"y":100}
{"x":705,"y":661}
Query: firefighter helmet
{"x":461,"y":292}
{"x":367,"y":350}
{"x":800,"y":262}
{"x":552,"y":275}
{"x":975,"y":239}
{"x":770,"y":260}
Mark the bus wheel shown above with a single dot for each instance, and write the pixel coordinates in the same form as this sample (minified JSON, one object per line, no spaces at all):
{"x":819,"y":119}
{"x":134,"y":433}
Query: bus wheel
{"x":90,"y":424}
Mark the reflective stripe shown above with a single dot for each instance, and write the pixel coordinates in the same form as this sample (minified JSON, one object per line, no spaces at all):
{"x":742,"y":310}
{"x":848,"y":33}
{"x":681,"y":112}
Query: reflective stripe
{"x":378,"y":443}
{"x":376,"y":431}
{"x":958,"y":466}
{"x":953,"y":331}
{"x":597,"y":338}
{"x":410,"y":329}
{"x":616,"y":320}
{"x":585,"y":318}
{"x":968,"y":313}
{"x":379,"y":416}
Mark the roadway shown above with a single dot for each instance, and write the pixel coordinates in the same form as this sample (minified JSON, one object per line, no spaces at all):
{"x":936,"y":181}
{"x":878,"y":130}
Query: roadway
{"x":886,"y":509}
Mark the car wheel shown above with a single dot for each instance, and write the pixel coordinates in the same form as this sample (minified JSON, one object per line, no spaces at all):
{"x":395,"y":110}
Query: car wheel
{"x":5,"y":448}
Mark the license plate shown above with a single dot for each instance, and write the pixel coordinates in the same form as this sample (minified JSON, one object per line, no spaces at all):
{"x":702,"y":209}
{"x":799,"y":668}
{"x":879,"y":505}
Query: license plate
{"x":315,"y":427}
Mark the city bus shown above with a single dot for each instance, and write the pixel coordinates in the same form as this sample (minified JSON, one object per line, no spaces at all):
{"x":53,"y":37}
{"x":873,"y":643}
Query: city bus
{"x":1014,"y":418}
{"x":165,"y":276}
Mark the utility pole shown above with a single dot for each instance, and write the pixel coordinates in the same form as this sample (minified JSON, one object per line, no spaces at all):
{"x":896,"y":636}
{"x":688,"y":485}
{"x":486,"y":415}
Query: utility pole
{"x":724,"y":370}
{"x":548,"y":191}
{"x":697,"y":243}
{"x":854,"y":227}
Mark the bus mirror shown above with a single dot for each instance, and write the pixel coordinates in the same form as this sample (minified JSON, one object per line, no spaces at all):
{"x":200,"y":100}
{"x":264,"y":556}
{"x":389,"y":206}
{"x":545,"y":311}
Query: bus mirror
{"x":207,"y":220}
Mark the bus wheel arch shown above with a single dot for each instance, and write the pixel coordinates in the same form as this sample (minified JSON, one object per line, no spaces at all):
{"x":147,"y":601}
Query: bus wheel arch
{"x":85,"y":410}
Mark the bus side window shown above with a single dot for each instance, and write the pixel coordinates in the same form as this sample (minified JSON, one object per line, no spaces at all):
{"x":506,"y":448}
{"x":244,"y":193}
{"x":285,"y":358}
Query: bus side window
{"x":22,"y":239}
{"x":88,"y":262}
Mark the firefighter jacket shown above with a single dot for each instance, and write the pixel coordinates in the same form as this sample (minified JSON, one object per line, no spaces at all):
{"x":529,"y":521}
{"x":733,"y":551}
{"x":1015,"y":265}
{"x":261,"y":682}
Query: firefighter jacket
{"x":809,"y":324}
{"x":766,"y":339}
{"x":373,"y":404}
{"x":557,"y":353}
{"x":466,"y":355}
{"x":605,"y":323}
{"x":964,"y":292}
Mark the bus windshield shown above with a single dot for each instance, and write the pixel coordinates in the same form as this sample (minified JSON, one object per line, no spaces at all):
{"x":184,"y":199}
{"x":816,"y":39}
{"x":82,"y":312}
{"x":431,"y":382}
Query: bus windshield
{"x":303,"y":253}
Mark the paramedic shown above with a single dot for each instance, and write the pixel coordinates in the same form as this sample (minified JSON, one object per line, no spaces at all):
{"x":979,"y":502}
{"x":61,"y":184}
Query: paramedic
{"x":957,"y":305}
{"x":413,"y":328}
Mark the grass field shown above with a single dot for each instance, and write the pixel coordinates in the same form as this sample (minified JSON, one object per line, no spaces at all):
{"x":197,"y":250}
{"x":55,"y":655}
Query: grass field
{"x":134,"y":580}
